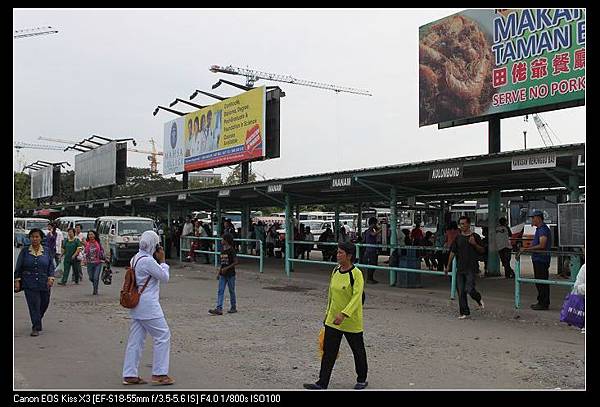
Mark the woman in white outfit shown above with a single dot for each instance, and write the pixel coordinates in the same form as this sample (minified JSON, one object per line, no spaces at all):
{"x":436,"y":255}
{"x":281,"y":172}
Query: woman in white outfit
{"x":579,"y":286}
{"x":147,"y":316}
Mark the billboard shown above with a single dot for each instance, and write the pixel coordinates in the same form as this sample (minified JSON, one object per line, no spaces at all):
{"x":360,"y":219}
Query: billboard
{"x":478,"y":63}
{"x":103,"y":166}
{"x":173,"y":146}
{"x":42,"y":182}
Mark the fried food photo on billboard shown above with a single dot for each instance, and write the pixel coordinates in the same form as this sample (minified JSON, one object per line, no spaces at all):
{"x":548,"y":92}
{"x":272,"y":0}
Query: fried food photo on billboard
{"x":455,"y":71}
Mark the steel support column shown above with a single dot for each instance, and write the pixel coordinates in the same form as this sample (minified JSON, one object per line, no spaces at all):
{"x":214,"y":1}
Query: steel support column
{"x":289,"y":235}
{"x":394,"y":228}
{"x":493,"y":266}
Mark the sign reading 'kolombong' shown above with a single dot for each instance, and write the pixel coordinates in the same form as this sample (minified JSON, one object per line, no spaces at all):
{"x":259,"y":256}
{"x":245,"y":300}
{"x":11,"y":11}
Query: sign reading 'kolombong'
{"x":482,"y":62}
{"x":446,"y":172}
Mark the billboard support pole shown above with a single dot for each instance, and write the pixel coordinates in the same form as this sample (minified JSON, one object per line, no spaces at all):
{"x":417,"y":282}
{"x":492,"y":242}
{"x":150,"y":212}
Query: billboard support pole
{"x":245,"y":172}
{"x":493,"y":263}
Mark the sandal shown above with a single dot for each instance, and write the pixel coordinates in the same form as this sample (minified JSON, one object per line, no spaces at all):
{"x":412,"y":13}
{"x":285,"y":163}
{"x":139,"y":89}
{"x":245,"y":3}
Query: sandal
{"x":133,"y":380}
{"x":162,"y":380}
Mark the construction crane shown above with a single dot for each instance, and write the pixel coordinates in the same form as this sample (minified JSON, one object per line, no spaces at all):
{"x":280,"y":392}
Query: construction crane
{"x":543,"y":128}
{"x":151,"y":157}
{"x":31,"y":32}
{"x":20,"y":144}
{"x":253,"y":75}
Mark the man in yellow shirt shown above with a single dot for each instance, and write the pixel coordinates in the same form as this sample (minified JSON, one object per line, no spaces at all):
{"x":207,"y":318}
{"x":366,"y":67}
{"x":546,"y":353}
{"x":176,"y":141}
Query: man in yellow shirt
{"x":344,"y":317}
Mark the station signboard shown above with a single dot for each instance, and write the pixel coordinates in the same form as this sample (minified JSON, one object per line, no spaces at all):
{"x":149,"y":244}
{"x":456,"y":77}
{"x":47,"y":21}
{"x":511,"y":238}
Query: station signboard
{"x":446,"y":172}
{"x":529,"y":162}
{"x":275,"y":188}
{"x":341,"y":182}
{"x":480,"y":63}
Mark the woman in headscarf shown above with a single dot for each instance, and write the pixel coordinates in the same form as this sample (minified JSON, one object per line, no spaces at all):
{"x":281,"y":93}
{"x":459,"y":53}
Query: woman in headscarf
{"x":147,"y":317}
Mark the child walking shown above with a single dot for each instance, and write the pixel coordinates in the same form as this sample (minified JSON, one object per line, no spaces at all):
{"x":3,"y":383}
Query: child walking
{"x":226,"y":276}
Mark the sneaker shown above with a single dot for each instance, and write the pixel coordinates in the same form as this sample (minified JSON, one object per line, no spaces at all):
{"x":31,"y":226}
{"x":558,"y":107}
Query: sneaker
{"x":464,"y":317}
{"x":133,"y":380}
{"x":61,"y":283}
{"x":538,"y":307}
{"x":215,"y":311}
{"x":481,"y":305}
{"x":360,"y":386}
{"x":232,"y":311}
{"x":162,"y":380}
{"x":313,"y":386}
{"x":34,"y":333}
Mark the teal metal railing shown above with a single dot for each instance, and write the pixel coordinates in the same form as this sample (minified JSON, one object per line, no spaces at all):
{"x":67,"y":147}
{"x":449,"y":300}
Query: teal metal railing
{"x":575,"y":264}
{"x":216,"y":252}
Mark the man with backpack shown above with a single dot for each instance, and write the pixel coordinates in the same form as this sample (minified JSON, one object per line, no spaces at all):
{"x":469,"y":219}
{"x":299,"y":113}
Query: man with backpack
{"x":344,"y":317}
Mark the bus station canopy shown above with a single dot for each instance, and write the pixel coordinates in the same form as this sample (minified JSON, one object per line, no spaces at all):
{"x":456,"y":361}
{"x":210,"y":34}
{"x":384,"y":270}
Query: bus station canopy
{"x":542,"y":171}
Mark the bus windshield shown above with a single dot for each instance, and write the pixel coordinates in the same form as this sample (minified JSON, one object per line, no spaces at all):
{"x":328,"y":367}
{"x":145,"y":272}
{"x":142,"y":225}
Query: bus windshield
{"x":519,"y":212}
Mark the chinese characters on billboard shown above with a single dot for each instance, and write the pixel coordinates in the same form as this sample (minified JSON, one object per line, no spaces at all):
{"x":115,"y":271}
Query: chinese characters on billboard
{"x":482,"y":62}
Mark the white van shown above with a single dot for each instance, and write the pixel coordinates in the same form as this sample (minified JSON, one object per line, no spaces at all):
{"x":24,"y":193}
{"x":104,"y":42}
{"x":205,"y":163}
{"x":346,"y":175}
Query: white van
{"x":22,"y":226}
{"x":120,"y":235}
{"x":66,"y":222}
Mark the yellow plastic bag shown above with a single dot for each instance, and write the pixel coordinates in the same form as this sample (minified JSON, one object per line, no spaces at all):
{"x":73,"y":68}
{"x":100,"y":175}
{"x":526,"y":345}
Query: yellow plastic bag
{"x":321,"y":340}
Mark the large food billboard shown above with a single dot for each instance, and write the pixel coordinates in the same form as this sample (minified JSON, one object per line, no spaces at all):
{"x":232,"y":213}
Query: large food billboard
{"x":478,"y":63}
{"x":225,"y":133}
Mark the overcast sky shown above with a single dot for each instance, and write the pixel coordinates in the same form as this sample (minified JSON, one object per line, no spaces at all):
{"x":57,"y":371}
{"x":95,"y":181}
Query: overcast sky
{"x":106,"y":70}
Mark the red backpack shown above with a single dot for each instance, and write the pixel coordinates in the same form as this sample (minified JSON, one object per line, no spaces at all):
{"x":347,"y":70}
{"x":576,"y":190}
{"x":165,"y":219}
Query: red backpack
{"x":130,"y":296}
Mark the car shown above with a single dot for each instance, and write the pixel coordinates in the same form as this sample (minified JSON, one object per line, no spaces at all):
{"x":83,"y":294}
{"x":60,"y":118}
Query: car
{"x":22,"y":227}
{"x":120,"y":235}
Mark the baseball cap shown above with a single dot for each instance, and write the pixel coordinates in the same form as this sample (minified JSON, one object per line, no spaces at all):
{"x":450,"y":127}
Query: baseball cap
{"x":536,"y":212}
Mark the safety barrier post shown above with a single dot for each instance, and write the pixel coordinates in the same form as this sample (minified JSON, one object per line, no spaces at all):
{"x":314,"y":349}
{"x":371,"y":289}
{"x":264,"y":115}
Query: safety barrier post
{"x":453,"y":283}
{"x":218,"y":227}
{"x":394,"y":231}
{"x":181,"y":249}
{"x":262,"y":256}
{"x":289,"y":235}
{"x":517,"y":281}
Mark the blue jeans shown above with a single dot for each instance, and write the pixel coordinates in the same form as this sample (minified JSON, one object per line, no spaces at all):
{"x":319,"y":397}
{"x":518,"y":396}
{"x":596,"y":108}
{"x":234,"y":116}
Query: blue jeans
{"x":94,"y":271}
{"x":230,"y":282}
